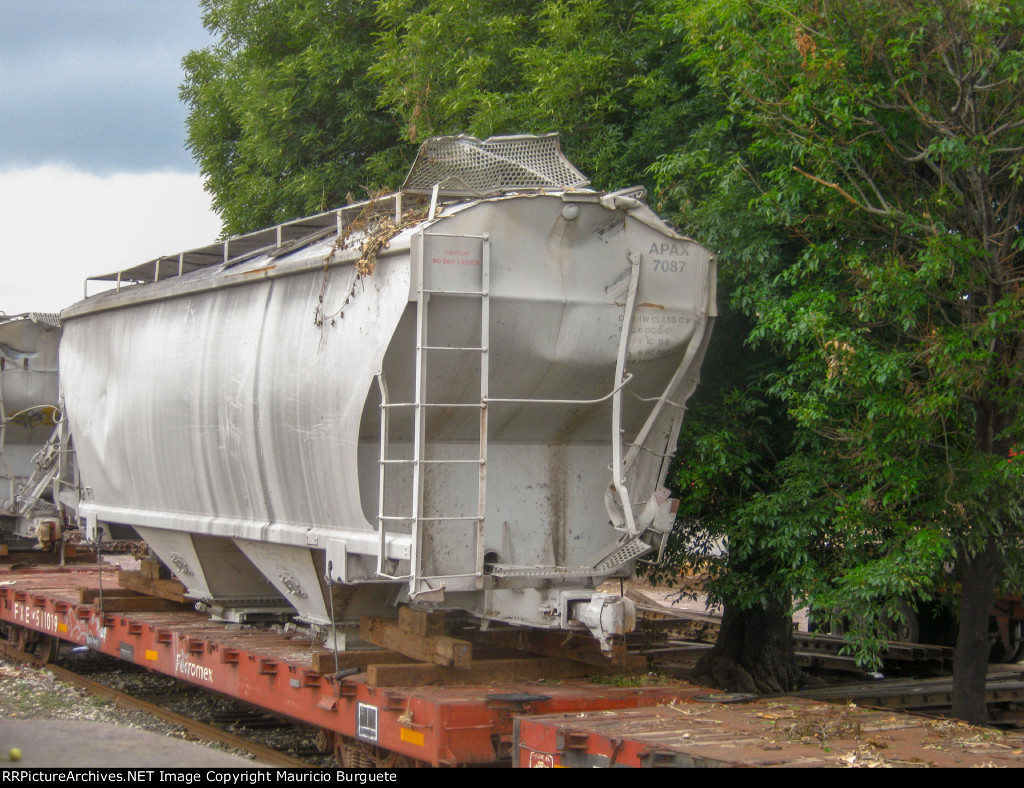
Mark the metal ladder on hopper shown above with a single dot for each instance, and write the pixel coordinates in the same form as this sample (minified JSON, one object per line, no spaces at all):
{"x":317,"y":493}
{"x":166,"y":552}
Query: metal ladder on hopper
{"x":420,"y":583}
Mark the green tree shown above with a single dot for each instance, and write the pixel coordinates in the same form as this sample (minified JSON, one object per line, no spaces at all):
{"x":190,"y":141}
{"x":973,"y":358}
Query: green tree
{"x":604,"y":74}
{"x":302,"y":102}
{"x":283,"y":116}
{"x":858,"y":168}
{"x":748,"y":478}
{"x":735,"y":443}
{"x":598,"y":72}
{"x":888,"y":138}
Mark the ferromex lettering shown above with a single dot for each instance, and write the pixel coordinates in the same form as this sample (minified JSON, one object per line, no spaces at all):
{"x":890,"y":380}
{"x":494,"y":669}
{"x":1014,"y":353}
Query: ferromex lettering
{"x":183,"y":666}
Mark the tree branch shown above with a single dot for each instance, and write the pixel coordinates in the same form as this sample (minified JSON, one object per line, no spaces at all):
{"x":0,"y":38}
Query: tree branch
{"x":844,"y":193}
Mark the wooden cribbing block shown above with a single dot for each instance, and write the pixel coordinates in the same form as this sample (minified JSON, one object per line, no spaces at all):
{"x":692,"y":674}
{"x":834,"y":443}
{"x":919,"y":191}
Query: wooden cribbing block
{"x":421,"y":622}
{"x":577,"y":646}
{"x":79,"y":552}
{"x":171,"y":590}
{"x":153,"y":569}
{"x":435,"y":649}
{"x":88,"y":596}
{"x":323,"y":661}
{"x":137,"y":604}
{"x":482,"y":671}
{"x":120,"y":600}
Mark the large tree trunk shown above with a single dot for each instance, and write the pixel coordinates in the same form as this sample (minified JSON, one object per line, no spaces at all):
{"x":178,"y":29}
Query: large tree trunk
{"x":970,"y":658}
{"x":979,"y":576}
{"x":753,"y":653}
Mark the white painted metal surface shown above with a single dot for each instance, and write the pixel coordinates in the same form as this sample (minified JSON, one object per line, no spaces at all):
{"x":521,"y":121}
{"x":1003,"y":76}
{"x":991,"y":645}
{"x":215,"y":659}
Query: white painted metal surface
{"x":28,"y":418}
{"x":483,"y":422}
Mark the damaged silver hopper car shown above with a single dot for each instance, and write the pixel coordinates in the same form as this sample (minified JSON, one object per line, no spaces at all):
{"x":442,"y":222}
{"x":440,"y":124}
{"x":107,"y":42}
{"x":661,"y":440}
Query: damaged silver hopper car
{"x":463,"y":395}
{"x":29,"y":430}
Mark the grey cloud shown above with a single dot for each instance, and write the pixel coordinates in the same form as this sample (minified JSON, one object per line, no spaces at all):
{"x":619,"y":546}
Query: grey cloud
{"x":94,"y":83}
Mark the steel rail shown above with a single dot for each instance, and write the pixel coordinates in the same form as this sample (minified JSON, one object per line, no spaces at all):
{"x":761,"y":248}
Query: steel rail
{"x":265,"y":756}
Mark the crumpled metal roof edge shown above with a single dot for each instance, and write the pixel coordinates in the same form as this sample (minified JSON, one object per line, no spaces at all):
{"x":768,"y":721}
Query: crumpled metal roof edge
{"x":47,"y":318}
{"x":464,"y":166}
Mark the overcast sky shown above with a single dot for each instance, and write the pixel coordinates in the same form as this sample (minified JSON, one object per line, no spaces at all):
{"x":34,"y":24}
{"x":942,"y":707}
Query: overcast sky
{"x":94,"y":173}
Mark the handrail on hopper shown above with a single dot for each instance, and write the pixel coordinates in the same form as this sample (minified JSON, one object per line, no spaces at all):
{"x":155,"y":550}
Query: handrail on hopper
{"x":271,"y":241}
{"x":453,"y":167}
{"x":528,"y":401}
{"x":620,"y":369}
{"x":512,"y":400}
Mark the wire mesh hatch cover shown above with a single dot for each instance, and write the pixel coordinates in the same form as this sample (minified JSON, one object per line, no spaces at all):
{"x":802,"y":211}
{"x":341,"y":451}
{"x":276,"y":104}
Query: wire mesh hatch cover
{"x":465,"y":166}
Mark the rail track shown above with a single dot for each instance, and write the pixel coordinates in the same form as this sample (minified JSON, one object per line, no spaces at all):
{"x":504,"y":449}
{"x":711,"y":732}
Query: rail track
{"x":924,"y":684}
{"x":1004,"y":693}
{"x":230,"y":724}
{"x":669,"y":634}
{"x":671,"y":641}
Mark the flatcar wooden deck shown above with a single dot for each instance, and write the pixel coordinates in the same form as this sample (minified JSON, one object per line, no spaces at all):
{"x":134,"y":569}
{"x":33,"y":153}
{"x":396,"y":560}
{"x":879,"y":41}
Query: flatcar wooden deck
{"x":533,"y":722}
{"x":780,"y":732}
{"x":285,"y":673}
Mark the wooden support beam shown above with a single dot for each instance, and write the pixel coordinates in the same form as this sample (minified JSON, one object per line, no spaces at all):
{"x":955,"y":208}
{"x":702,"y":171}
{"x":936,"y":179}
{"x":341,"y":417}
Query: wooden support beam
{"x":171,"y":590}
{"x":144,"y":604}
{"x":78,"y":552}
{"x":323,"y":661}
{"x":577,"y":646}
{"x":137,"y":604}
{"x":125,"y":600}
{"x":436,"y":649}
{"x":425,"y":623}
{"x":88,"y":596}
{"x":154,"y":569}
{"x":484,"y":671}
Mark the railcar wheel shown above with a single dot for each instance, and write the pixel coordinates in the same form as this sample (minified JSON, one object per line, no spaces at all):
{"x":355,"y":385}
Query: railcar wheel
{"x":1012,"y":648}
{"x":324,"y":740}
{"x":353,"y":754}
{"x":903,"y":627}
{"x":48,"y":648}
{"x":17,"y":637}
